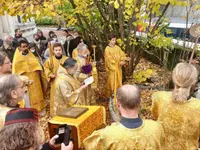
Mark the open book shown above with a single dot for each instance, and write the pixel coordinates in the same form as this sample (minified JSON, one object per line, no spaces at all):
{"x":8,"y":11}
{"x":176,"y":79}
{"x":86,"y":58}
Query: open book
{"x":89,"y":80}
{"x":73,"y":112}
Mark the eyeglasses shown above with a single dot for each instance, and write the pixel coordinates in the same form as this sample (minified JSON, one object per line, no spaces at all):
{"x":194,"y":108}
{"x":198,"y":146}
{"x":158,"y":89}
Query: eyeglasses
{"x":22,"y":87}
{"x":9,"y":62}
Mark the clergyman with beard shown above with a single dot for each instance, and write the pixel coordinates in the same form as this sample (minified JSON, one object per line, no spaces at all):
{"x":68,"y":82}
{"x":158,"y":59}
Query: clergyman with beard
{"x":68,"y":90}
{"x":25,"y":63}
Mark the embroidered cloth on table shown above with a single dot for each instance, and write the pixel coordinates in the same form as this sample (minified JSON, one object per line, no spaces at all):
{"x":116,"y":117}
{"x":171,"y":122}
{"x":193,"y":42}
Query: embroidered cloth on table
{"x":86,"y":123}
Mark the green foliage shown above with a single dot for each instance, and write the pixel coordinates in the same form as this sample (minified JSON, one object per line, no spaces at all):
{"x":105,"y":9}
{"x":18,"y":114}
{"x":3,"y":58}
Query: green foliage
{"x":45,"y":21}
{"x":143,"y":75}
{"x":98,"y":19}
{"x":161,"y":41}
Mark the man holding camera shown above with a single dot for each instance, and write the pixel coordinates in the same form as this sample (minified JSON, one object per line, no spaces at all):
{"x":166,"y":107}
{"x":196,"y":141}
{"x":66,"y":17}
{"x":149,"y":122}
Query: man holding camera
{"x":23,"y":131}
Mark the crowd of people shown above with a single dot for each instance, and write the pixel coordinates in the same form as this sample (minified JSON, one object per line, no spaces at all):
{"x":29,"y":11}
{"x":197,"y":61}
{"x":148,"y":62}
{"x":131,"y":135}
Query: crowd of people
{"x":50,"y":71}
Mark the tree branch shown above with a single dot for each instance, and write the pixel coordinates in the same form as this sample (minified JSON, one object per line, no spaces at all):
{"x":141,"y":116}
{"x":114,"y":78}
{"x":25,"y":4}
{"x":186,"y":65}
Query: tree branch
{"x":99,"y":6}
{"x":158,"y":21}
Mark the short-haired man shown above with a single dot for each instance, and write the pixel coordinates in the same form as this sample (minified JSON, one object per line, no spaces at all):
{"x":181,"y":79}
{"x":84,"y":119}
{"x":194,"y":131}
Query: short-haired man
{"x":131,"y":132}
{"x":25,"y":63}
{"x":115,"y":58}
{"x":18,"y":37}
{"x":11,"y":93}
{"x":40,"y":43}
{"x":18,"y":33}
{"x":5,"y":64}
{"x":51,"y":67}
{"x":68,"y":90}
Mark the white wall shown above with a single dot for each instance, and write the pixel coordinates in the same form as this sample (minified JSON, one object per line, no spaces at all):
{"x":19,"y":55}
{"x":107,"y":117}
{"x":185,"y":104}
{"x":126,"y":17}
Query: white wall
{"x":9,"y":23}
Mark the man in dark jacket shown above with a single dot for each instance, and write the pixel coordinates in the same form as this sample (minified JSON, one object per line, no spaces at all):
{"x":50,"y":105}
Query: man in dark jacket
{"x":1,"y":42}
{"x":41,"y":44}
{"x":18,"y":36}
{"x":67,"y":44}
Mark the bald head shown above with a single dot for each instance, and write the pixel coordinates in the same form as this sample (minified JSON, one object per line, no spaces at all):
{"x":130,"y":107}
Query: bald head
{"x":129,"y":96}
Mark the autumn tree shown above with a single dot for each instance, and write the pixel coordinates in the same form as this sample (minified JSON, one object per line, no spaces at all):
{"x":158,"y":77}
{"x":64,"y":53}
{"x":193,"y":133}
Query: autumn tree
{"x":97,"y":19}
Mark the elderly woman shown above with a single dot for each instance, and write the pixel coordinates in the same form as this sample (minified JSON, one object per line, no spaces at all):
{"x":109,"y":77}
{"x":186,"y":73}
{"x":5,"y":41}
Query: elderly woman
{"x":23,"y":132}
{"x":177,"y":111}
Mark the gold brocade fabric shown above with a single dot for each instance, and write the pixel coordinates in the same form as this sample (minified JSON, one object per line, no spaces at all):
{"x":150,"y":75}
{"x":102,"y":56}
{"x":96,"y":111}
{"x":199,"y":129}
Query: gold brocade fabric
{"x":24,"y":64}
{"x":89,"y":94}
{"x":3,"y":112}
{"x":22,"y":104}
{"x":113,"y":56}
{"x":81,"y":62}
{"x":86,"y":123}
{"x":29,"y":66}
{"x":181,"y":121}
{"x":149,"y":136}
{"x":52,"y":69}
{"x":65,"y":92}
{"x":94,"y":69}
{"x":74,"y":53}
{"x":35,"y":91}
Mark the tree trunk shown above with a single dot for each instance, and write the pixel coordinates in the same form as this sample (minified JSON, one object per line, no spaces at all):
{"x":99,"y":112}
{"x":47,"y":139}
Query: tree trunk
{"x":121,"y":20}
{"x":77,"y":16}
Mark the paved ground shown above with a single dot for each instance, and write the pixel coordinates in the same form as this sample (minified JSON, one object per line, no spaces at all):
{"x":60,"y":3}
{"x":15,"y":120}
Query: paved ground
{"x":46,"y":30}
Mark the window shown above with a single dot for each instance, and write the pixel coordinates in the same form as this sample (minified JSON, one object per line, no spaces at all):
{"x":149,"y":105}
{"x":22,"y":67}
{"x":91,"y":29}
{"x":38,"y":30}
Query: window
{"x":19,"y":19}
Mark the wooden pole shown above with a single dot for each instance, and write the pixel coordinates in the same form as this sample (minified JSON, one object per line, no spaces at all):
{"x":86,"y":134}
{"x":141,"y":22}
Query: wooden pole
{"x":94,"y":70}
{"x":192,"y":55}
{"x":51,"y":56}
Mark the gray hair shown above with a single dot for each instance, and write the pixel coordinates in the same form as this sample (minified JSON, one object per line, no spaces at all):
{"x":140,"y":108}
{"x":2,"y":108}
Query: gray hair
{"x":69,"y":63}
{"x":3,"y":56}
{"x":6,"y":37}
{"x":129,"y":96}
{"x":81,"y":46}
{"x":8,"y":42}
{"x":7,"y":84}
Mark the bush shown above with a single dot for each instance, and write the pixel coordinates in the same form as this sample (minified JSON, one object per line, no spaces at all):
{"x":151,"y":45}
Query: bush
{"x":45,"y":21}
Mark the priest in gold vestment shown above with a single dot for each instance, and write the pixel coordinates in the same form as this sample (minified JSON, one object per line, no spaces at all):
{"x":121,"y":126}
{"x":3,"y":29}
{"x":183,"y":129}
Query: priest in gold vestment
{"x":74,"y":53}
{"x":178,"y":112}
{"x":114,"y":59}
{"x":84,"y":71}
{"x":131,"y":132}
{"x":51,"y":67}
{"x":25,"y":63}
{"x":68,"y":90}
